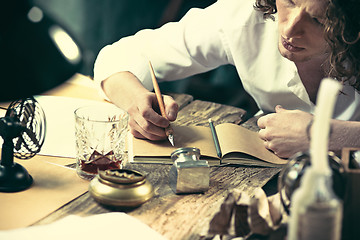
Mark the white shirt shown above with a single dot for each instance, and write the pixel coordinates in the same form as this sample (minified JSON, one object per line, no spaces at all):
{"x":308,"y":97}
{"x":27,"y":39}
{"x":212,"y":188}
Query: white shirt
{"x":227,"y":32}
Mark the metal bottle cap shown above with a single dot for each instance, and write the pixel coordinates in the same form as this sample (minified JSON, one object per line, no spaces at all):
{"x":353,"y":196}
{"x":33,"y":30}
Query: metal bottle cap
{"x":189,"y":174}
{"x":185,"y":154}
{"x":120,"y":188}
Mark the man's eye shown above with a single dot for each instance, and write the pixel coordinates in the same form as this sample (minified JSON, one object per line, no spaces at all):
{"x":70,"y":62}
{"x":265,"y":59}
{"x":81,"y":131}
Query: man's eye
{"x":319,"y":21}
{"x":291,"y":2}
{"x":288,"y":2}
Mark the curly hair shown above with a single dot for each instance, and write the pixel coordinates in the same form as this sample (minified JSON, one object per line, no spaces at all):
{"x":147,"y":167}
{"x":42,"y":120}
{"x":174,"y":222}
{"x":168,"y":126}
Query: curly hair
{"x":342,"y":32}
{"x":268,"y":7}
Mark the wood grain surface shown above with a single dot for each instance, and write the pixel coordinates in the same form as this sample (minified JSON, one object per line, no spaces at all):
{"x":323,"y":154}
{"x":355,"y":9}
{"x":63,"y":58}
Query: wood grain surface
{"x":182,"y":216}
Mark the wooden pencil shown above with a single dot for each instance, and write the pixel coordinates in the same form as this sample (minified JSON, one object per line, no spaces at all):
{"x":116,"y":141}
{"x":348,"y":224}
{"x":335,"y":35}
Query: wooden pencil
{"x":168,"y":131}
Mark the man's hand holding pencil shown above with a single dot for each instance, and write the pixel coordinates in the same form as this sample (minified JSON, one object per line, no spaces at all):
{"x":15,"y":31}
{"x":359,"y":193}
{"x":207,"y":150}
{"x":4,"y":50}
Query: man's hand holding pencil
{"x":145,"y":120}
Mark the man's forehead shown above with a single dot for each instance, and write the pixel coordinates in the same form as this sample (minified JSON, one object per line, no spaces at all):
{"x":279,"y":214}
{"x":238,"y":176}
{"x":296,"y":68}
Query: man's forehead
{"x":314,"y":7}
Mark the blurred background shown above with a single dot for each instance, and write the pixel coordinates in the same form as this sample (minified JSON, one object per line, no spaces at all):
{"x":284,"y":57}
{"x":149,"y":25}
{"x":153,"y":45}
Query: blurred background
{"x":96,"y":23}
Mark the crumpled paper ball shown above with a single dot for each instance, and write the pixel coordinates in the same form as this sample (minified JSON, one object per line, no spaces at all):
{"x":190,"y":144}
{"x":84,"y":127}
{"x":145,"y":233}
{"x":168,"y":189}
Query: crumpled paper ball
{"x":242,"y":216}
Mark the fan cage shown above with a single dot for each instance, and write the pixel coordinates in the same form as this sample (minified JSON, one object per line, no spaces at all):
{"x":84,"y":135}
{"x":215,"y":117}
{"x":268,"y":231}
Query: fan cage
{"x":31,"y":115}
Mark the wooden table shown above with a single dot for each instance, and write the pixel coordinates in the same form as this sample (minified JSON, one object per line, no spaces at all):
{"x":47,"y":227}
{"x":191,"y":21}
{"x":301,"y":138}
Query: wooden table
{"x":181,"y":216}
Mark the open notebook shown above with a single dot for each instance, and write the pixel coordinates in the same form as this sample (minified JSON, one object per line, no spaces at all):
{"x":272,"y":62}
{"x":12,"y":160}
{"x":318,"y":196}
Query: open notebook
{"x":238,"y":146}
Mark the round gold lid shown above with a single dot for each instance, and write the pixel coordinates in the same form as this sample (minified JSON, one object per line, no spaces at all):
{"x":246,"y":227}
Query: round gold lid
{"x":120,"y":188}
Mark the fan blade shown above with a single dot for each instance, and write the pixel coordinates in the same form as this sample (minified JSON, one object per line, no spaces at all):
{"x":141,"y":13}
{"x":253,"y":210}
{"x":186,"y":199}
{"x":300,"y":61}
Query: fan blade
{"x":28,"y":112}
{"x":21,"y":140}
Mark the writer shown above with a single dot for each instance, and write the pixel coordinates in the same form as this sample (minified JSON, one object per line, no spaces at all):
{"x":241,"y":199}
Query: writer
{"x":281,"y":50}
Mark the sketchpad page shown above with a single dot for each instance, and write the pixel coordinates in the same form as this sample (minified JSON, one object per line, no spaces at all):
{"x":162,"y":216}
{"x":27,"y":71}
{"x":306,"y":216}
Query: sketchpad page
{"x":184,"y":136}
{"x":53,"y":187}
{"x":235,"y":138}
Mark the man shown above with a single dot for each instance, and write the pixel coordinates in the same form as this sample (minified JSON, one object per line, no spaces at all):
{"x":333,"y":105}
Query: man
{"x":281,"y":50}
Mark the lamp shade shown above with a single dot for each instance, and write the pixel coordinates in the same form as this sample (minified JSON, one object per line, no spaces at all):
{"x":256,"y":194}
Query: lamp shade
{"x":36,"y":53}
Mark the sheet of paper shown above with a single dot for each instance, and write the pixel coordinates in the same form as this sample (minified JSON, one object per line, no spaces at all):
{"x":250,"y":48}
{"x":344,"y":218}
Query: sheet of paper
{"x":114,"y":225}
{"x":53,"y":187}
{"x":60,"y":124}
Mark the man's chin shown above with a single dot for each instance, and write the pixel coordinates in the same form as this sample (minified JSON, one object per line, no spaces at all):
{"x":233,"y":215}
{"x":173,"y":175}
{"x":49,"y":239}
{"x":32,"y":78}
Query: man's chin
{"x":300,"y":57}
{"x":294,"y":57}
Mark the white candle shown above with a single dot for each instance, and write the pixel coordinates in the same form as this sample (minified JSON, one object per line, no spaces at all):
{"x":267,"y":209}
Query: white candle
{"x":328,"y":91}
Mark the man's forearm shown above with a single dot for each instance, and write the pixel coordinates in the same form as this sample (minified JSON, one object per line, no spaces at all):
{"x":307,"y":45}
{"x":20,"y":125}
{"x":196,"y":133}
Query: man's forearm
{"x":121,"y":88}
{"x":344,"y":134}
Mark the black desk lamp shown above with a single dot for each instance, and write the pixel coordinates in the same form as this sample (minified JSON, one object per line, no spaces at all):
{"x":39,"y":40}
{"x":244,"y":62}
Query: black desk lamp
{"x":36,"y":54}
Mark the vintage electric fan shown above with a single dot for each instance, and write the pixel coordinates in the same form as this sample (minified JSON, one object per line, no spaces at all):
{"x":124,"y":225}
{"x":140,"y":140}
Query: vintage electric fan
{"x":23,"y":131}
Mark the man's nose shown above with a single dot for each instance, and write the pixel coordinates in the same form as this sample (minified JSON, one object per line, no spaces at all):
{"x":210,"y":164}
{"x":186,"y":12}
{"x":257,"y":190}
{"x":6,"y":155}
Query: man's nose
{"x":295,"y":26}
